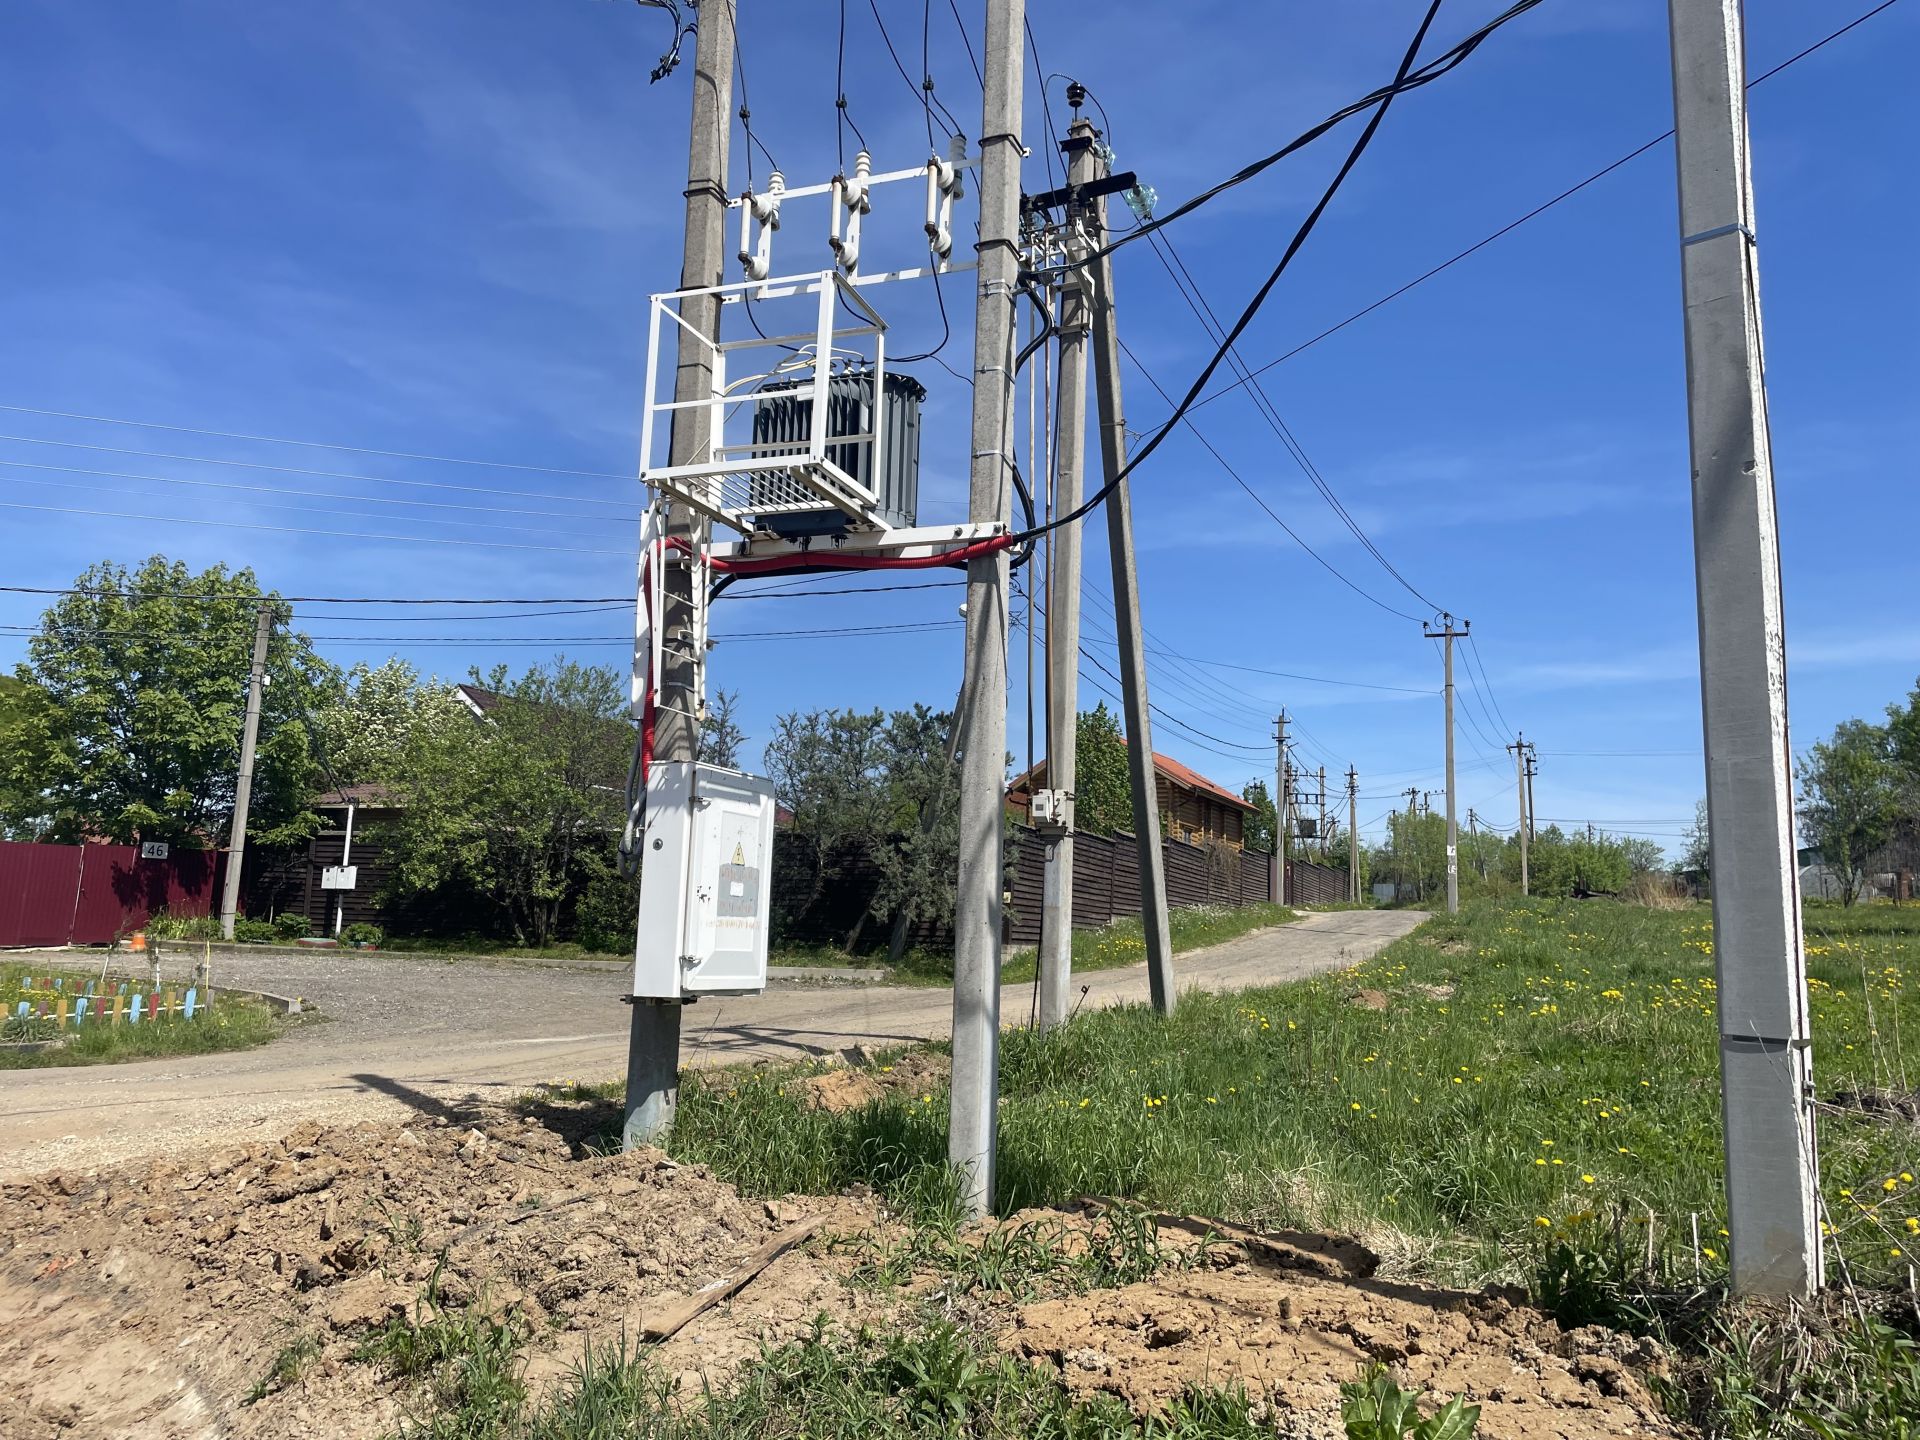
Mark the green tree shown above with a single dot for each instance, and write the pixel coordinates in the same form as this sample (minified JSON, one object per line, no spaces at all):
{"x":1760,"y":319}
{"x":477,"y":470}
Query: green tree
{"x":1850,"y":799}
{"x":520,"y":809}
{"x":829,"y":769}
{"x":1102,"y":794}
{"x":1696,"y":850}
{"x":365,"y":730}
{"x":25,"y":746}
{"x":720,"y":734}
{"x":142,"y":678}
{"x":1259,"y":828}
{"x":919,"y":859}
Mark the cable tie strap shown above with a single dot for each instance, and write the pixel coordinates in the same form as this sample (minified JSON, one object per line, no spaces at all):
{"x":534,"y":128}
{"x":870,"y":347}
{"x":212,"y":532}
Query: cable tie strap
{"x":1717,"y":232}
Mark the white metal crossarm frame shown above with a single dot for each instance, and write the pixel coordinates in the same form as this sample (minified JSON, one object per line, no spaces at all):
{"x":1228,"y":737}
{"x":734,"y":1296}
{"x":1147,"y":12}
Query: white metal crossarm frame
{"x":852,"y":199}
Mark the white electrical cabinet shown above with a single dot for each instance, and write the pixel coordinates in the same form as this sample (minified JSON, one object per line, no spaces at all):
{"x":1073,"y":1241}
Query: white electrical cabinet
{"x":706,"y":874}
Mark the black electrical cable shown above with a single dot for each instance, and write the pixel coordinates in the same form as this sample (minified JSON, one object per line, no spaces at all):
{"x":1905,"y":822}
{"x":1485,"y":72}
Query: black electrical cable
{"x":924,"y":96}
{"x":1189,"y":289}
{"x":746,"y":112}
{"x":1260,"y":500}
{"x":1260,"y":296}
{"x":967,"y":41}
{"x":1409,"y":79}
{"x":1538,"y":210}
{"x":840,"y":94}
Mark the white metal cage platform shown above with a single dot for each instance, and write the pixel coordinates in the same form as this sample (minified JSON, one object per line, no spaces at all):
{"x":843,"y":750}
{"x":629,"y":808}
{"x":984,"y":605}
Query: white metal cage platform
{"x":787,"y":432}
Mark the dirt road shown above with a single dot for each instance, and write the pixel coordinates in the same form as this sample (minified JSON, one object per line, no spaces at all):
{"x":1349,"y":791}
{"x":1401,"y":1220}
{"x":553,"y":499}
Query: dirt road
{"x":407,"y":1033}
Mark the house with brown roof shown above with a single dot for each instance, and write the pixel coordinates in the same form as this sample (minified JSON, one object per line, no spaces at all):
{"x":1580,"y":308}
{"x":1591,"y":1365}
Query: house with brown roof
{"x":1192,"y":807}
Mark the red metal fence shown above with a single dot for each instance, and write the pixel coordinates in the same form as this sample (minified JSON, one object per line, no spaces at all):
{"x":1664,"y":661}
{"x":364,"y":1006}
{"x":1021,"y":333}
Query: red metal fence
{"x":90,"y":894}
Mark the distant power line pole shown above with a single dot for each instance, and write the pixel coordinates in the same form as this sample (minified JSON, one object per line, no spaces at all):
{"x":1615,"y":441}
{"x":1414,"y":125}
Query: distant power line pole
{"x":1759,"y":950}
{"x":1280,"y":846}
{"x":1353,"y":835}
{"x":973,"y":1124}
{"x":243,"y":781}
{"x":1447,"y":633}
{"x":1519,"y":752}
{"x":1533,"y":769}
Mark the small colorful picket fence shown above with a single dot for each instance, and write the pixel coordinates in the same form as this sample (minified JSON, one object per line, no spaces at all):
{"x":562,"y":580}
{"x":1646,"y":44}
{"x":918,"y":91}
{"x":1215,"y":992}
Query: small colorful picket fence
{"x":52,"y":999}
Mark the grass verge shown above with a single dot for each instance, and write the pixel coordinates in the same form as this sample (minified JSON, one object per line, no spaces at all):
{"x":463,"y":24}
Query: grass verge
{"x":1526,"y":1091}
{"x":1191,"y":927}
{"x":236,"y":1023}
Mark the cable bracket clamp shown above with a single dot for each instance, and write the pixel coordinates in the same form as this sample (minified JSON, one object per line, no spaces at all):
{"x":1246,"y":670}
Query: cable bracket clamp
{"x":1714,"y":234}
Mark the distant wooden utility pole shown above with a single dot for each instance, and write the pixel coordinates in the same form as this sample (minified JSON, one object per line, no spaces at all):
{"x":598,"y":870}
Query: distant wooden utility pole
{"x":1447,"y":633}
{"x":1759,"y":950}
{"x":1280,"y":787}
{"x":243,"y":781}
{"x":1353,"y":835}
{"x":1519,"y":752}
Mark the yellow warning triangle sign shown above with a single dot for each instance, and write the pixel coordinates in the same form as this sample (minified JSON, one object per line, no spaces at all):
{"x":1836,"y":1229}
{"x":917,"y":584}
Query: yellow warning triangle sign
{"x":739,"y":853}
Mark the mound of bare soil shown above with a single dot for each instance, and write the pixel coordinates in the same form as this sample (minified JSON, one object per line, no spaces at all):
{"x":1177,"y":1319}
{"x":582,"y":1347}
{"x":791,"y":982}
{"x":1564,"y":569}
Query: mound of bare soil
{"x":1291,"y":1332}
{"x":149,"y":1300}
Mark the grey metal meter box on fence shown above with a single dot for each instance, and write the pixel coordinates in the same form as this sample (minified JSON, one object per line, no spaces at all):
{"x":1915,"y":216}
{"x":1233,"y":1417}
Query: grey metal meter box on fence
{"x":709,"y":839}
{"x":783,"y":421}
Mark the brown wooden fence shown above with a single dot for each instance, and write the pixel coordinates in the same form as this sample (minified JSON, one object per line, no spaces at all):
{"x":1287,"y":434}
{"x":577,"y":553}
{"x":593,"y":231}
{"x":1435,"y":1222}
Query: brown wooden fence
{"x":1106,"y":886}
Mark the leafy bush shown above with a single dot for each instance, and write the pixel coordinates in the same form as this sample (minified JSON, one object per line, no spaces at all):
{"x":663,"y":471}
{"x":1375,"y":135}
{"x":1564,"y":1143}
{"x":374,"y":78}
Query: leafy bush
{"x":361,"y":933}
{"x":288,"y":926}
{"x":254,"y":932}
{"x":162,"y":926}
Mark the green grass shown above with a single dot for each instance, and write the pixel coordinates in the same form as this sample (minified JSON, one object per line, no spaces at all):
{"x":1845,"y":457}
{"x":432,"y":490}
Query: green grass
{"x":933,"y":1382}
{"x":1191,"y":927}
{"x":236,"y":1023}
{"x":1538,"y":1101}
{"x":289,"y":1363}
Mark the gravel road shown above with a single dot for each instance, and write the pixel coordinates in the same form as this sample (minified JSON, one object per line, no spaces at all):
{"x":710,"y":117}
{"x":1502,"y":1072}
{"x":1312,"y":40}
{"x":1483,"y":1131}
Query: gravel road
{"x":409,"y":1032}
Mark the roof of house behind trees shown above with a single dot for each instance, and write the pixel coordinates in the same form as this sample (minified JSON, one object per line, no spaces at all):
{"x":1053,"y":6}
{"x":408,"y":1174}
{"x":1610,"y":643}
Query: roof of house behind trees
{"x":1175,"y":773}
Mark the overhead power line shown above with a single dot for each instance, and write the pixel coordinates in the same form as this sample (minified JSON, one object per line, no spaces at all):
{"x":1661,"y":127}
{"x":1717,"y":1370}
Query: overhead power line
{"x":1538,"y":210}
{"x":320,"y":474}
{"x":311,"y":444}
{"x":306,"y":530}
{"x":1381,"y":103}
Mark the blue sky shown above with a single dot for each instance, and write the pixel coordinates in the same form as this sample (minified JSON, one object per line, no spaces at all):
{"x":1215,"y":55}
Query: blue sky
{"x":431,"y":228}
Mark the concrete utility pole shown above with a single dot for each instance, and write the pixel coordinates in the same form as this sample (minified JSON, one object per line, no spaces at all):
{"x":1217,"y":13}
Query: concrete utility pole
{"x":1353,"y":835}
{"x":1448,"y":634}
{"x":1126,"y":602}
{"x":653,"y":1032}
{"x":979,"y":903}
{"x":1063,"y":619}
{"x":1759,"y":951}
{"x":1519,"y":752}
{"x":1280,"y":787}
{"x":243,"y":782}
{"x":1322,"y":800}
